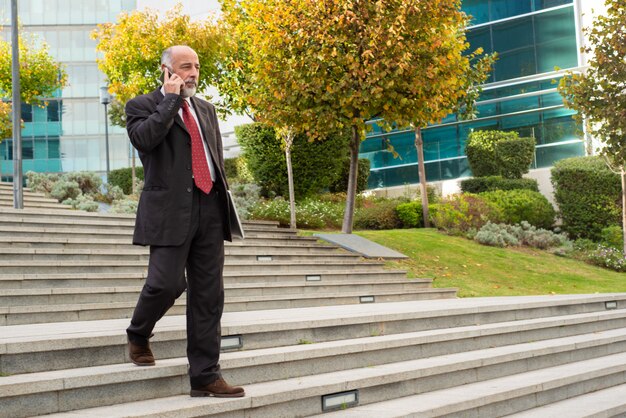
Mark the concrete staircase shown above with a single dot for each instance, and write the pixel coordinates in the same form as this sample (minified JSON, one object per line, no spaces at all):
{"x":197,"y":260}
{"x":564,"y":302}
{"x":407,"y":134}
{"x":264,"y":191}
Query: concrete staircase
{"x":297,"y":333}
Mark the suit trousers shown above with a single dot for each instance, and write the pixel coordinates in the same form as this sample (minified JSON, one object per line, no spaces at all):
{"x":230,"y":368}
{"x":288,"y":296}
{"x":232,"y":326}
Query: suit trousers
{"x":202,"y":257}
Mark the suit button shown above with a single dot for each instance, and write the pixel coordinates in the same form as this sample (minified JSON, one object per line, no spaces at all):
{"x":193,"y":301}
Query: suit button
{"x":188,"y":167}
{"x":188,"y":189}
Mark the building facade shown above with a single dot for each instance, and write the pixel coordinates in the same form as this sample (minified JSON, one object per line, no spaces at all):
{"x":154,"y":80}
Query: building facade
{"x":532,"y":38}
{"x":69,"y":133}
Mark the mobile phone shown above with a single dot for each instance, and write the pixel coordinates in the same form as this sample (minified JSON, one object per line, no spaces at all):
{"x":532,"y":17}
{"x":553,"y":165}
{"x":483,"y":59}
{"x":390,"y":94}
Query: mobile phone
{"x":162,"y":76}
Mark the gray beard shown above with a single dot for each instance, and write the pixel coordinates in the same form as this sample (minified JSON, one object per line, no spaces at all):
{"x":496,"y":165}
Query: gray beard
{"x":188,"y":92}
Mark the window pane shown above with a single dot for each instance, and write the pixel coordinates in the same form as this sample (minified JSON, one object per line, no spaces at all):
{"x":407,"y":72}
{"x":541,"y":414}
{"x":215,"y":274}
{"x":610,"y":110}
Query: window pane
{"x":515,"y":64}
{"x":27,"y":112}
{"x":501,"y":9}
{"x":27,"y":149}
{"x":556,"y":40}
{"x":478,"y":9}
{"x":545,"y":4}
{"x":512,"y":35}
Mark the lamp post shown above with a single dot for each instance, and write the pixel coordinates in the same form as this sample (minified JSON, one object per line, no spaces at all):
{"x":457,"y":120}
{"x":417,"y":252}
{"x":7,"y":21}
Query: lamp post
{"x":18,"y":193}
{"x":105,"y":99}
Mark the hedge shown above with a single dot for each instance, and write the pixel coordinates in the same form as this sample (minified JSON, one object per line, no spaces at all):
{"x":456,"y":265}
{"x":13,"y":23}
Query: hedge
{"x":490,"y":183}
{"x":492,"y":153}
{"x":122,"y":177}
{"x":588,"y":194}
{"x":340,"y":185}
{"x":315,"y":164}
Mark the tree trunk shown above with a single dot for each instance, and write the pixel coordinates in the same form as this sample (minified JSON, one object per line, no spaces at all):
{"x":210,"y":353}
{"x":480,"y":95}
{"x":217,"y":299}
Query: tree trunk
{"x":623,"y":176}
{"x":421,"y":167}
{"x":288,"y":138}
{"x":348,"y":216}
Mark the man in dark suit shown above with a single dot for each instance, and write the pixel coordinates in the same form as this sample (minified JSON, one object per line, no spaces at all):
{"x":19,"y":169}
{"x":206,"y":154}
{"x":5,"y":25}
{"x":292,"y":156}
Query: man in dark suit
{"x":182,"y":216}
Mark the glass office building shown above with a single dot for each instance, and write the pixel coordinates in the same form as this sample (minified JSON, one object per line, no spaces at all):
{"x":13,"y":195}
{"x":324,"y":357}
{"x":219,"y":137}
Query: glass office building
{"x":532,"y":37}
{"x":69,"y":133}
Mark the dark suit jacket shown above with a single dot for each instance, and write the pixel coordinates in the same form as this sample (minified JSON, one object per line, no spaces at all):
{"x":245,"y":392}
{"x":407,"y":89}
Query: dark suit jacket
{"x":164,"y":146}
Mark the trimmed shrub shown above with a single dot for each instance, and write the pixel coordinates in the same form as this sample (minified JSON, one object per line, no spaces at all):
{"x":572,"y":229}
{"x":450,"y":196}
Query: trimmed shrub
{"x":340,"y":185}
{"x":410,"y":214}
{"x":315,"y":164}
{"x":522,"y":205}
{"x":380,"y":215}
{"x":481,"y":151}
{"x":237,"y":171}
{"x":491,"y":183}
{"x":588,"y":195}
{"x":460,"y":213}
{"x":514,"y":156}
{"x":122,"y":177}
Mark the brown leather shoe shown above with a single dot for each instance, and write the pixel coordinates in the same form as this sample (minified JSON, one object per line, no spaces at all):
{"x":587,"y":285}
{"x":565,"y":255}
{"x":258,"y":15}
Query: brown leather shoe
{"x":218,"y":389}
{"x":141,"y":355}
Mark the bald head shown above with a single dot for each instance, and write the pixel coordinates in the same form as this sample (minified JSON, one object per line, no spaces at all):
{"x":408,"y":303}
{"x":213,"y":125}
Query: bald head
{"x":169,"y":55}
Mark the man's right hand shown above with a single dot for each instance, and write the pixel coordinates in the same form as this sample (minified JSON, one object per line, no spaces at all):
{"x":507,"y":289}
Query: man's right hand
{"x":172,"y":83}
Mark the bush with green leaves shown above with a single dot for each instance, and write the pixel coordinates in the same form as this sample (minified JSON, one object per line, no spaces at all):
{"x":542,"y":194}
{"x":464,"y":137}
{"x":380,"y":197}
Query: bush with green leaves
{"x":522,"y":205}
{"x":588,"y":195}
{"x":503,"y":235}
{"x":378,"y":214}
{"x":410,"y":214}
{"x":461,"y":213}
{"x":514,"y":156}
{"x":237,"y":170}
{"x":315,"y":164}
{"x":613,"y":236}
{"x":491,"y":183}
{"x":340,"y":185}
{"x":481,"y":151}
{"x":122,"y":178}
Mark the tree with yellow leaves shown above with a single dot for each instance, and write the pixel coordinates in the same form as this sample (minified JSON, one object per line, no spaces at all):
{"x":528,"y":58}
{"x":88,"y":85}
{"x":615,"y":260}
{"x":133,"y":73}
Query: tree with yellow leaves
{"x":323,"y":65}
{"x":40,"y":77}
{"x":131,"y":51}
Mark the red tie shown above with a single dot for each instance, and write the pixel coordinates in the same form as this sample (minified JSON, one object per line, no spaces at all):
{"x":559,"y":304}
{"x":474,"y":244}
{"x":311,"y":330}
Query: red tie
{"x":199,"y":166}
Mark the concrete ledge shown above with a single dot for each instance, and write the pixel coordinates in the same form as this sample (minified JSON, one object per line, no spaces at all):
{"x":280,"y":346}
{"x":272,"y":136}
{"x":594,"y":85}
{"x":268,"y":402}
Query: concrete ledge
{"x":360,"y":245}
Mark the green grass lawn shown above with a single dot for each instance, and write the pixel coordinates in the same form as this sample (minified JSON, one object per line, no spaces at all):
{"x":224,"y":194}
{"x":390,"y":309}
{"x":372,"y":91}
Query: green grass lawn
{"x":478,"y":270}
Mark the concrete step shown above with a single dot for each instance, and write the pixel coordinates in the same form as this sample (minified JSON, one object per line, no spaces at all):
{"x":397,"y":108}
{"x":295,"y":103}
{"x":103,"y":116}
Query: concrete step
{"x":610,"y":402}
{"x":502,"y":396}
{"x":42,"y":230}
{"x":248,"y":254}
{"x":72,"y":280}
{"x":80,"y":295}
{"x":77,"y":216}
{"x":460,"y":384}
{"x":85,"y":241}
{"x":464,"y":323}
{"x":118,"y":266}
{"x":29,"y":197}
{"x":89,"y":311}
{"x":36,"y":205}
{"x":273,"y":364}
